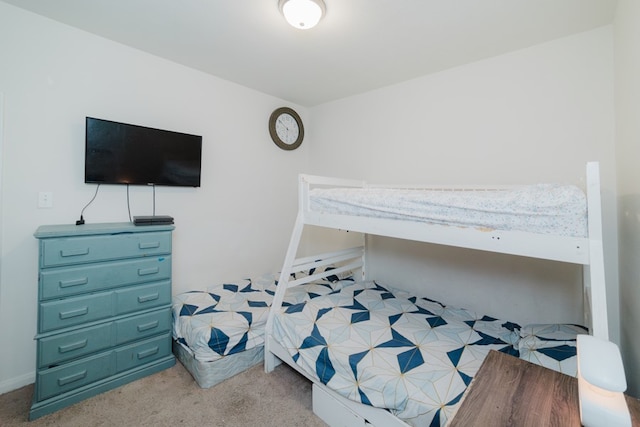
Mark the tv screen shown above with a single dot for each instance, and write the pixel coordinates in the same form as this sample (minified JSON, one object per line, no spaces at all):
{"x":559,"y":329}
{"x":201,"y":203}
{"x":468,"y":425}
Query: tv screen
{"x":120,"y":153}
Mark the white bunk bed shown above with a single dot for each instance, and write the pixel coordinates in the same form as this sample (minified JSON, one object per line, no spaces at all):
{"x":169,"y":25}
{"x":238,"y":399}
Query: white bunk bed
{"x":583,"y":248}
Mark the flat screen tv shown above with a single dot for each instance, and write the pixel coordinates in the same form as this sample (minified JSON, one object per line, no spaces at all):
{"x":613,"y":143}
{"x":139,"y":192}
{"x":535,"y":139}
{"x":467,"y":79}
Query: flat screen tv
{"x":120,"y":153}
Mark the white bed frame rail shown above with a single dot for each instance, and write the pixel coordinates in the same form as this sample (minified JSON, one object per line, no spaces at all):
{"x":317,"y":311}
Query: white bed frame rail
{"x":595,"y":290}
{"x":587,"y":251}
{"x":343,"y":261}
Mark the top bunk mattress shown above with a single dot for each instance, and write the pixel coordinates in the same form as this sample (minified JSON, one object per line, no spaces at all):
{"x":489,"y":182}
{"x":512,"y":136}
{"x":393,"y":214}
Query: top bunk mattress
{"x":542,"y":208}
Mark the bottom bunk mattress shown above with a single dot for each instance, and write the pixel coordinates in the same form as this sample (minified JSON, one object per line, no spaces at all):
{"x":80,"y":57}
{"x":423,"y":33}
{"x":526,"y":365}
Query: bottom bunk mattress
{"x":227,"y":320}
{"x":412,"y":356}
{"x":208,"y":374}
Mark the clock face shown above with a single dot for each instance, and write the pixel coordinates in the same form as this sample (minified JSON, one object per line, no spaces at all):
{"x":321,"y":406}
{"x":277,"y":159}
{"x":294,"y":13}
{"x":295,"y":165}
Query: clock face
{"x":287,"y":128}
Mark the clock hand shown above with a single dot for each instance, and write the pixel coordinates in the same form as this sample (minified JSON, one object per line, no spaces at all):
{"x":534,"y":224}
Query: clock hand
{"x":285,"y":126}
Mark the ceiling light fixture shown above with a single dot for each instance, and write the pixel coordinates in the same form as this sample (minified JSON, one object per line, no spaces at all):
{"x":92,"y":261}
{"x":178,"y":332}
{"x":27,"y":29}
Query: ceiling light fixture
{"x":302,"y":14}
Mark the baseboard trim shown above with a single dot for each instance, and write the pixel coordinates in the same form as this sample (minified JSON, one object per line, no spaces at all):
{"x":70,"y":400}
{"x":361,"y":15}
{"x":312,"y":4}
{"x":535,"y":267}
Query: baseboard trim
{"x":17,"y":382}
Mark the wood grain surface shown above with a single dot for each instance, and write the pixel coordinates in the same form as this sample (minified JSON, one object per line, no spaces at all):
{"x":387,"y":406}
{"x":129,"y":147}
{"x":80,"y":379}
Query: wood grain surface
{"x":508,"y":391}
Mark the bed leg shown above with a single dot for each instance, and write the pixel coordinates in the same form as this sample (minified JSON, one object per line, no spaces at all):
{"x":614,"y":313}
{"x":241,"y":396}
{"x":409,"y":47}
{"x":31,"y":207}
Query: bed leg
{"x":270,"y":362}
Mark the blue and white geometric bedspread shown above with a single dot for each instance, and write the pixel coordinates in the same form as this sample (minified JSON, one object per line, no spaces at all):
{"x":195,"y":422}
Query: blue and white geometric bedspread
{"x":412,"y":356}
{"x":230,"y":318}
{"x":551,"y":345}
{"x":374,"y":345}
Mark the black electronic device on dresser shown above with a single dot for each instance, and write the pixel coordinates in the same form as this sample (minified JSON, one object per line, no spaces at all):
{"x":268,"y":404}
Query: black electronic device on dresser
{"x":153,"y":220}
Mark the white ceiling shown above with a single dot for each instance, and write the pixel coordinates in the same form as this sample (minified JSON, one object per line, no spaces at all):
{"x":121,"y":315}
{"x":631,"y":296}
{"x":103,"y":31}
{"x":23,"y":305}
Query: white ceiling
{"x":360,"y":45}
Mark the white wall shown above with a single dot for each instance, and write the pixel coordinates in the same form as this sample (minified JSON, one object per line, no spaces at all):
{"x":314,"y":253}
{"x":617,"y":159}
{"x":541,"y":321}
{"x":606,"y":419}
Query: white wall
{"x":627,"y":65}
{"x":535,"y":115}
{"x":1,"y":181}
{"x":238,"y":223}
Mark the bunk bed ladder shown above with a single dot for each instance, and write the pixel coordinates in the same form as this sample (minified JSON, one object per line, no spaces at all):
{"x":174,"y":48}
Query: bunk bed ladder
{"x":270,"y":360}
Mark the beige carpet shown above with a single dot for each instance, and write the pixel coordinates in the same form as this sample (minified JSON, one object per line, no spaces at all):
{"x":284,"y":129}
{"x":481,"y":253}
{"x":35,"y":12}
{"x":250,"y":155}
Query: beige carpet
{"x":172,"y":398}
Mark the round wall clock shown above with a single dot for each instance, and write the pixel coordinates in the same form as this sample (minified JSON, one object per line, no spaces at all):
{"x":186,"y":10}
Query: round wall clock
{"x":286,"y":129}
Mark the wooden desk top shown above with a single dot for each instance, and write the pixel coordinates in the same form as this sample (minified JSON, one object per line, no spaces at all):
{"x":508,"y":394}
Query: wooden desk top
{"x":508,"y":391}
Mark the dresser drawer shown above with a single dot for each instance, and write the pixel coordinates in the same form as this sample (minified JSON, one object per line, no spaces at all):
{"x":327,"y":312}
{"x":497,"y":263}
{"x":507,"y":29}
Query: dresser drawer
{"x":83,"y":249}
{"x":142,"y":297}
{"x":61,"y":379}
{"x":74,"y":311}
{"x":143,"y":352}
{"x":142,"y":326}
{"x":66,"y":281}
{"x":59,"y":348}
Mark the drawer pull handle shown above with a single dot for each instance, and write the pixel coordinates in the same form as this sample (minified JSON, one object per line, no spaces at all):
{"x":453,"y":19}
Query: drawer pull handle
{"x":74,"y":346}
{"x":149,"y":245}
{"x":147,"y":353}
{"x":147,"y":298}
{"x":74,"y":282}
{"x":74,"y":252}
{"x":147,"y":326}
{"x":71,"y":378}
{"x":74,"y":313}
{"x":147,"y":271}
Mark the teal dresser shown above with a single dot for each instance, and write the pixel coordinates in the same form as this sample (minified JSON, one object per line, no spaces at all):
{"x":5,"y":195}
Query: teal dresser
{"x":104,"y":319}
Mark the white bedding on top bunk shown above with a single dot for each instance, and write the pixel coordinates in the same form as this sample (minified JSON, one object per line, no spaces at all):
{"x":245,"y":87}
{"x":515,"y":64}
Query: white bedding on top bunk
{"x":542,"y":208}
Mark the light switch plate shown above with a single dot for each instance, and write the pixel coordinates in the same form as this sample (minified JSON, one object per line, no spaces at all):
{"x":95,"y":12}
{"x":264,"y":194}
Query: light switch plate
{"x":45,"y":199}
